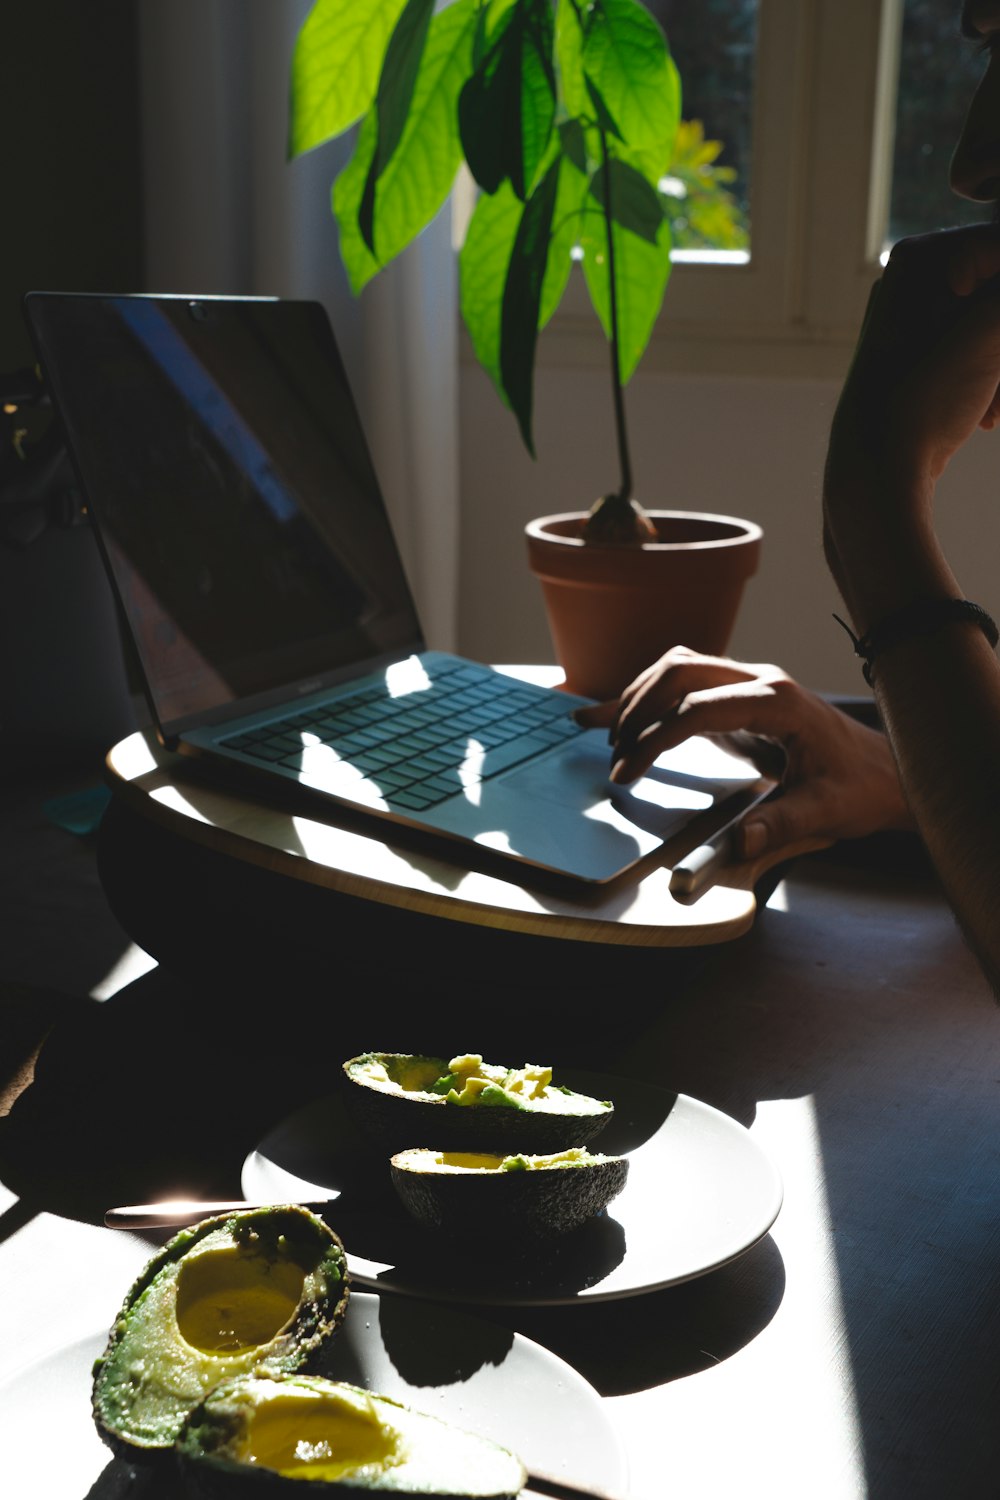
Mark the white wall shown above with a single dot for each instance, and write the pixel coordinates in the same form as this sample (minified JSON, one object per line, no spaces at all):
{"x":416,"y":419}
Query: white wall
{"x":750,"y":447}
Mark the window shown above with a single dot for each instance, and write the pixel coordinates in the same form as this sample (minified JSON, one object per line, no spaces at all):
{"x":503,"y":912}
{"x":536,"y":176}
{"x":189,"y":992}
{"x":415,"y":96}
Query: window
{"x":714,"y":44}
{"x":935,"y":80}
{"x":829,"y":168}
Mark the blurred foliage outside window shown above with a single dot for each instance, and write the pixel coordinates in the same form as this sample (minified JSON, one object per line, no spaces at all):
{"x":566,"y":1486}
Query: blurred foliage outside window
{"x":714,"y":45}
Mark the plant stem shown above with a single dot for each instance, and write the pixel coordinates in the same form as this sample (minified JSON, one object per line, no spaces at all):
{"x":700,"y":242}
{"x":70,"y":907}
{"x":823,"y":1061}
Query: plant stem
{"x":625,"y":493}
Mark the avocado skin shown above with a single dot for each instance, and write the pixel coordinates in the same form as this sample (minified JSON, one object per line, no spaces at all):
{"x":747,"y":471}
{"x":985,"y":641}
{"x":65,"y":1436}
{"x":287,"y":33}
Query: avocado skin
{"x":317,"y":1317}
{"x":540,"y":1204}
{"x":391,"y":1122}
{"x":210,"y":1473}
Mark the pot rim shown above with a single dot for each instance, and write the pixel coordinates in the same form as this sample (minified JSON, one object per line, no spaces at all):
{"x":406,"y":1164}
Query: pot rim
{"x":748,"y":532}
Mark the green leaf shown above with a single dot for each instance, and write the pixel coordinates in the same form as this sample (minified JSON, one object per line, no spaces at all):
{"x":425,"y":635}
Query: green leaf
{"x":567,"y":226}
{"x":335,"y":67}
{"x":418,"y":179}
{"x":522,"y":297}
{"x":395,"y":94}
{"x":494,"y":15}
{"x":538,"y":93}
{"x":507,"y":108}
{"x":485,"y":258}
{"x":635,"y":203}
{"x":569,"y":60}
{"x":627,"y":60}
{"x":642,"y":270}
{"x":489,"y":109}
{"x":603,"y":114}
{"x":482,"y":270}
{"x":574,"y":144}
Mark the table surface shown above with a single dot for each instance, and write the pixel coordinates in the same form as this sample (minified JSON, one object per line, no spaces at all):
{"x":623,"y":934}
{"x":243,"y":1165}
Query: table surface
{"x":854,"y":1351}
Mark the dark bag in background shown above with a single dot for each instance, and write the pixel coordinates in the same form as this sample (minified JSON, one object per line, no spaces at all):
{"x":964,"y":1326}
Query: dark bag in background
{"x":64,"y":688}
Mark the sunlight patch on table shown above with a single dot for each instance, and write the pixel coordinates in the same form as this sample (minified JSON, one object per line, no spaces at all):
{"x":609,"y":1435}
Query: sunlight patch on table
{"x":364,"y":857}
{"x":172,"y":797}
{"x":132,"y":964}
{"x":778,"y":899}
{"x":790,"y":1423}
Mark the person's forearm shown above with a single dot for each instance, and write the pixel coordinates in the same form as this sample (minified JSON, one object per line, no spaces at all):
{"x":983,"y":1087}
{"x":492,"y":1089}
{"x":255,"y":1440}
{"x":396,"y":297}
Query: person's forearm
{"x":940,"y":701}
{"x":925,"y":377}
{"x":939,"y":697}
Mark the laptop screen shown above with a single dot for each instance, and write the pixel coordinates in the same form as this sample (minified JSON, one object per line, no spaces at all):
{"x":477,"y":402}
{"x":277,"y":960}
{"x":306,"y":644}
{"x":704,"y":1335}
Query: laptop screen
{"x":221,"y":455}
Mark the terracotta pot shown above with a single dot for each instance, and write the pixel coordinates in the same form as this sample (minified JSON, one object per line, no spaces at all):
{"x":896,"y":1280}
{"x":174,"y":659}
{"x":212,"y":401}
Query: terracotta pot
{"x":613,"y":610}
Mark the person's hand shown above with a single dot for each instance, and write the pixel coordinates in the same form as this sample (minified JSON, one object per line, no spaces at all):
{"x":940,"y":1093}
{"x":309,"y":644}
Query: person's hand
{"x":925,"y":376}
{"x":838,"y":777}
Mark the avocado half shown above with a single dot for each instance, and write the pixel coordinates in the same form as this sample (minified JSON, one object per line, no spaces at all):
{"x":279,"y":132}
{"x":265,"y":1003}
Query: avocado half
{"x":466,"y":1104}
{"x":260,"y":1288}
{"x":259,"y":1435}
{"x":468,"y":1194}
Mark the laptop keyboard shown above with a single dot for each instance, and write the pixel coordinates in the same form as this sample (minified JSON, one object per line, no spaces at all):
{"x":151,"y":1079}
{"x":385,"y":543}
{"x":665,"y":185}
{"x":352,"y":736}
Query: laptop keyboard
{"x":420,"y":748}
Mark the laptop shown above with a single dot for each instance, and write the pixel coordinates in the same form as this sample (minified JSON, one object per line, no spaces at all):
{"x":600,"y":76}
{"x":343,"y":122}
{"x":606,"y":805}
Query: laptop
{"x":224,"y":467}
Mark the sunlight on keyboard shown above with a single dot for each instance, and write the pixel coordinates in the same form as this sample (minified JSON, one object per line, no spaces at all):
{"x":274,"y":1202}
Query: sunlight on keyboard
{"x":468,"y":773}
{"x":407,"y":676}
{"x":410,"y":741}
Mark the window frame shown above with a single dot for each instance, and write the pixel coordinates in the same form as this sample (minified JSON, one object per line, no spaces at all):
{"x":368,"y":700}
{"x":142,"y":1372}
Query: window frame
{"x":822,"y":153}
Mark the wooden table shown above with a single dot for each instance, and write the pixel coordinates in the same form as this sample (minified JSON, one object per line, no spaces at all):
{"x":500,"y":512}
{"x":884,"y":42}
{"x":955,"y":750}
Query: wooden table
{"x":853,"y":1352}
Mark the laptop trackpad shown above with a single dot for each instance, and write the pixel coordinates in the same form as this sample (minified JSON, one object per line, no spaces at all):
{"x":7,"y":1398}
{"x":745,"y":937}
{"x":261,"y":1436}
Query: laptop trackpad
{"x":562,"y":812}
{"x":661,"y":802}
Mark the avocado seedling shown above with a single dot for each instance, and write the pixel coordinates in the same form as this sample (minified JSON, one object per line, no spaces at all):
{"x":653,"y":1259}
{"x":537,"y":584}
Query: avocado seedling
{"x":566,"y":115}
{"x":463,"y":1103}
{"x":259,"y":1290}
{"x":467,"y":1194}
{"x":259,"y":1436}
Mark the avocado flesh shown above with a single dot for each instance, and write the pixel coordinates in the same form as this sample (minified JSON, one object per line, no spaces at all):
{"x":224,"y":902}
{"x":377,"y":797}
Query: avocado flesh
{"x":399,"y":1098}
{"x":230,"y":1294}
{"x":331,"y":1435}
{"x":470,"y":1195}
{"x":421,"y":1159}
{"x":468,"y":1081}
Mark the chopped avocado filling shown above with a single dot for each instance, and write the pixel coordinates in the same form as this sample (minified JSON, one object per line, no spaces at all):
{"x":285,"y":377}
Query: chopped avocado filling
{"x":470,"y":1161}
{"x":471,"y":1081}
{"x":466,"y":1085}
{"x":576,"y":1156}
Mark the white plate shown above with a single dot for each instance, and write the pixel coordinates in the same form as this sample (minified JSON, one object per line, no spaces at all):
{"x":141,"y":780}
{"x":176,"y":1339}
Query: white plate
{"x":700,"y":1192}
{"x":435,"y":1359}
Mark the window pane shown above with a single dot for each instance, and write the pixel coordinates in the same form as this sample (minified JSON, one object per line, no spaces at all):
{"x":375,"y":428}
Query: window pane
{"x":714,"y":46}
{"x":938,"y":71}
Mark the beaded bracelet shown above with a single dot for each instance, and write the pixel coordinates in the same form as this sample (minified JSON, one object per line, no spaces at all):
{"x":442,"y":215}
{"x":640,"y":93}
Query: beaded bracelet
{"x":919,"y":619}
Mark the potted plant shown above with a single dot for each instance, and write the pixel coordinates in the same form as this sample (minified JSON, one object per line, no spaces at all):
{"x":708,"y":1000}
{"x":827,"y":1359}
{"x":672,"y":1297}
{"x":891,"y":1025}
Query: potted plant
{"x":567,"y":115}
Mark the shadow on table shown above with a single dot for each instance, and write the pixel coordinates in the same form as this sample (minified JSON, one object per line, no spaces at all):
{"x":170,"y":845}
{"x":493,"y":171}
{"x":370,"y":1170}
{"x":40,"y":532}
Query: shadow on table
{"x":158,"y":1092}
{"x":662,"y":1336}
{"x":855,"y":1000}
{"x":163,"y":1090}
{"x":857,"y":994}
